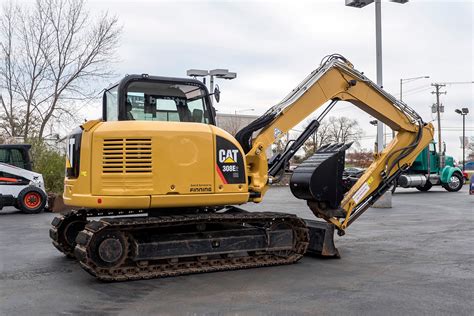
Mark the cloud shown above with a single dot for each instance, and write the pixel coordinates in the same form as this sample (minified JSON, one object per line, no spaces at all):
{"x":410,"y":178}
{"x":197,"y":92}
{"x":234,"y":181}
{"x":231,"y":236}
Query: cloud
{"x":273,"y":45}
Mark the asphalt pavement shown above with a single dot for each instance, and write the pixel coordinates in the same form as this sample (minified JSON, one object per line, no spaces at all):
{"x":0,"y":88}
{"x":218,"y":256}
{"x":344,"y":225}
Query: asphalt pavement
{"x":415,"y":258}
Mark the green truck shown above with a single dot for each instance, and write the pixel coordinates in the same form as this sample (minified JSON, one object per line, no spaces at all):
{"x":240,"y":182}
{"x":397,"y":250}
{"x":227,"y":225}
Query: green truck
{"x":430,"y":168}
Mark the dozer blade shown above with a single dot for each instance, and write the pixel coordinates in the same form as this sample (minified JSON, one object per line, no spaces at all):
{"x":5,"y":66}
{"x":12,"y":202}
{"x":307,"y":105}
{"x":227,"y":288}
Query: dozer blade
{"x":321,"y":239}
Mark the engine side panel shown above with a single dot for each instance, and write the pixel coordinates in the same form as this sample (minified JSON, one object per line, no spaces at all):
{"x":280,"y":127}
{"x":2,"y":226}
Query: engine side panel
{"x":139,"y":164}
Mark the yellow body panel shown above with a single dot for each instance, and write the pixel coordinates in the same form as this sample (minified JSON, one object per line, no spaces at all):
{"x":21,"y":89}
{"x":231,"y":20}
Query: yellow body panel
{"x":140,"y":164}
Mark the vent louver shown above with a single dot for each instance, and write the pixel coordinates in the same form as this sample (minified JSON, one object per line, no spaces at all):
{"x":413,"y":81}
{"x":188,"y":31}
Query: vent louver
{"x":127,"y":155}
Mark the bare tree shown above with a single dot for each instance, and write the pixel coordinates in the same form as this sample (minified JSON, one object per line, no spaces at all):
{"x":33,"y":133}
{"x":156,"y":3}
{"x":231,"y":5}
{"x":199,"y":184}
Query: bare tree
{"x":334,"y":130}
{"x":9,"y":117}
{"x":52,"y":55}
{"x":31,"y":66}
{"x":343,"y":130}
{"x":322,"y":136}
{"x":470,"y":150}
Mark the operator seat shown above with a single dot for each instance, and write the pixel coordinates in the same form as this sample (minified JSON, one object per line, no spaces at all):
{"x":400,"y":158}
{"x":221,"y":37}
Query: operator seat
{"x":128,"y":111}
{"x":197,"y":115}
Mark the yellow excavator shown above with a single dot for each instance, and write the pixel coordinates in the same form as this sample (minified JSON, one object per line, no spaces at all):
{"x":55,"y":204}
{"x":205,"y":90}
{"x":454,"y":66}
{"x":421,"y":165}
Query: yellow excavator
{"x":156,"y":185}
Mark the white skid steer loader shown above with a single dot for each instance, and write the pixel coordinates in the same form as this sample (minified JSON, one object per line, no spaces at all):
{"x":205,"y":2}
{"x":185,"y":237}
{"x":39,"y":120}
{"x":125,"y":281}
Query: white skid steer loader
{"x":23,"y":189}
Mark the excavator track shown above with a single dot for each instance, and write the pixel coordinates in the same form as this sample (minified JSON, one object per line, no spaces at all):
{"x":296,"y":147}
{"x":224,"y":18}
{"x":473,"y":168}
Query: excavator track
{"x":113,"y":249}
{"x":65,"y":227}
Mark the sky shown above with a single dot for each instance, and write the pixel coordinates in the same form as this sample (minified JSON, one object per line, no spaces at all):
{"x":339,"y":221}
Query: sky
{"x":273,"y":45}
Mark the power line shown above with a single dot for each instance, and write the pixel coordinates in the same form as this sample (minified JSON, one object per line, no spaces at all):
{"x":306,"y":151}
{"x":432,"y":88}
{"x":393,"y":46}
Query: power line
{"x":418,"y":91}
{"x":456,"y":82}
{"x":416,"y":88}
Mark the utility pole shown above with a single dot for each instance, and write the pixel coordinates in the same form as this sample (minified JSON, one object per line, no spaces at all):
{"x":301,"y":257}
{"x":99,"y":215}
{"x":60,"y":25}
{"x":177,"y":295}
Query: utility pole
{"x":438,"y":86}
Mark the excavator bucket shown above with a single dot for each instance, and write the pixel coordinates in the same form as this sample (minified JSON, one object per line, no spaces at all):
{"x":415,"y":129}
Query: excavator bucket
{"x":318,"y":180}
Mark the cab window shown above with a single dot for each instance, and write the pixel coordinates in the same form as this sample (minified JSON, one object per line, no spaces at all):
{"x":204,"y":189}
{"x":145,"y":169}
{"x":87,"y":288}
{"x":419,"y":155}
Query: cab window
{"x":4,"y":156}
{"x":111,"y":103}
{"x":12,"y":157}
{"x":151,"y":101}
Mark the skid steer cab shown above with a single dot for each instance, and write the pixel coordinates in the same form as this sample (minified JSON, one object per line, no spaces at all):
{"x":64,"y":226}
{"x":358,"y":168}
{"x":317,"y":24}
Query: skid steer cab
{"x":19,"y":186}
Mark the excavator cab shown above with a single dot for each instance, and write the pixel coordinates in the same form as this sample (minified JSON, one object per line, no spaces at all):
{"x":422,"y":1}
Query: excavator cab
{"x":152,"y":98}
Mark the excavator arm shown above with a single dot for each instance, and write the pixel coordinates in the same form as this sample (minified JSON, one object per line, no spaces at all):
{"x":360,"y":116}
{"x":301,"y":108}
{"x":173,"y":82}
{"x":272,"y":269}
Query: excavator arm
{"x":335,"y":80}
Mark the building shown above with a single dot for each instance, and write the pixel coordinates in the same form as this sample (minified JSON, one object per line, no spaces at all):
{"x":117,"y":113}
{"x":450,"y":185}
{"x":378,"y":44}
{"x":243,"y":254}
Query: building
{"x":232,"y":123}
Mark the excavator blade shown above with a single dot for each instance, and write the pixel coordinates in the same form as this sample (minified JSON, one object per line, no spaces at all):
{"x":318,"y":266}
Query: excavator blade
{"x":321,"y":239}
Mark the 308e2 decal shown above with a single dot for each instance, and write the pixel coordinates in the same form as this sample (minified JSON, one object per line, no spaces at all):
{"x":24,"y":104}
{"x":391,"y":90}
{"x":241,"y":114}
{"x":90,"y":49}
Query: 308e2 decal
{"x":229,"y":162}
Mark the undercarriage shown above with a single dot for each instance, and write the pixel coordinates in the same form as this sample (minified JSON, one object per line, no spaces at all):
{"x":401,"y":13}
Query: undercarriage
{"x":140,"y":247}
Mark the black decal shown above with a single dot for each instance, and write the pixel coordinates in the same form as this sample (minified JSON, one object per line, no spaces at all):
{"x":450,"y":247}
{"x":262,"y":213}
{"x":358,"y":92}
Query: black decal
{"x":74,"y":152}
{"x":230,"y":162}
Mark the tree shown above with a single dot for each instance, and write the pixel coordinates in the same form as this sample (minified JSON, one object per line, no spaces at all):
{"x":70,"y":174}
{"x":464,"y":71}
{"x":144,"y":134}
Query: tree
{"x":360,"y":158}
{"x":52,"y":53}
{"x":50,"y":163}
{"x":230,"y":124}
{"x":322,"y":136}
{"x":334,"y":130}
{"x":470,"y":154}
{"x":343,"y":129}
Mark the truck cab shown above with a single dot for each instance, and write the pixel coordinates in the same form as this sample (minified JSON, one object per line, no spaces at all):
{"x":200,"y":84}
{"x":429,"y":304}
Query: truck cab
{"x":430,"y":168}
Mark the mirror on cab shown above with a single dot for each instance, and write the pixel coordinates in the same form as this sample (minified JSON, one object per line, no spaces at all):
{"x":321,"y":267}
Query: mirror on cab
{"x":217,"y":93}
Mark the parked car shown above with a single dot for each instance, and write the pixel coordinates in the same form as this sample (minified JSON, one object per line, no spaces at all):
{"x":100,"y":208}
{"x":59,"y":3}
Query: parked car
{"x":469,"y":170}
{"x":355,"y":172}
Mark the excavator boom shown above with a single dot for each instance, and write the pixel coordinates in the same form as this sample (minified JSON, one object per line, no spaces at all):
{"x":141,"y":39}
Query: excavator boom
{"x":336,"y":80}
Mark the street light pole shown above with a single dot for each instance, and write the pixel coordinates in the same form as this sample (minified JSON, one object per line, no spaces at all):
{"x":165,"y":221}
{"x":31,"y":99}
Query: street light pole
{"x":378,"y":44}
{"x":401,"y":90}
{"x":244,"y":110}
{"x":463,"y":142}
{"x":463,"y":112}
{"x":408,"y":80}
{"x":378,"y":52}
{"x":218,"y":73}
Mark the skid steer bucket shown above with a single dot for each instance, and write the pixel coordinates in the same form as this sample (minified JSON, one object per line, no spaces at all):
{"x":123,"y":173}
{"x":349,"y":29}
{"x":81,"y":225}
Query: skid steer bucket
{"x":318,"y":180}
